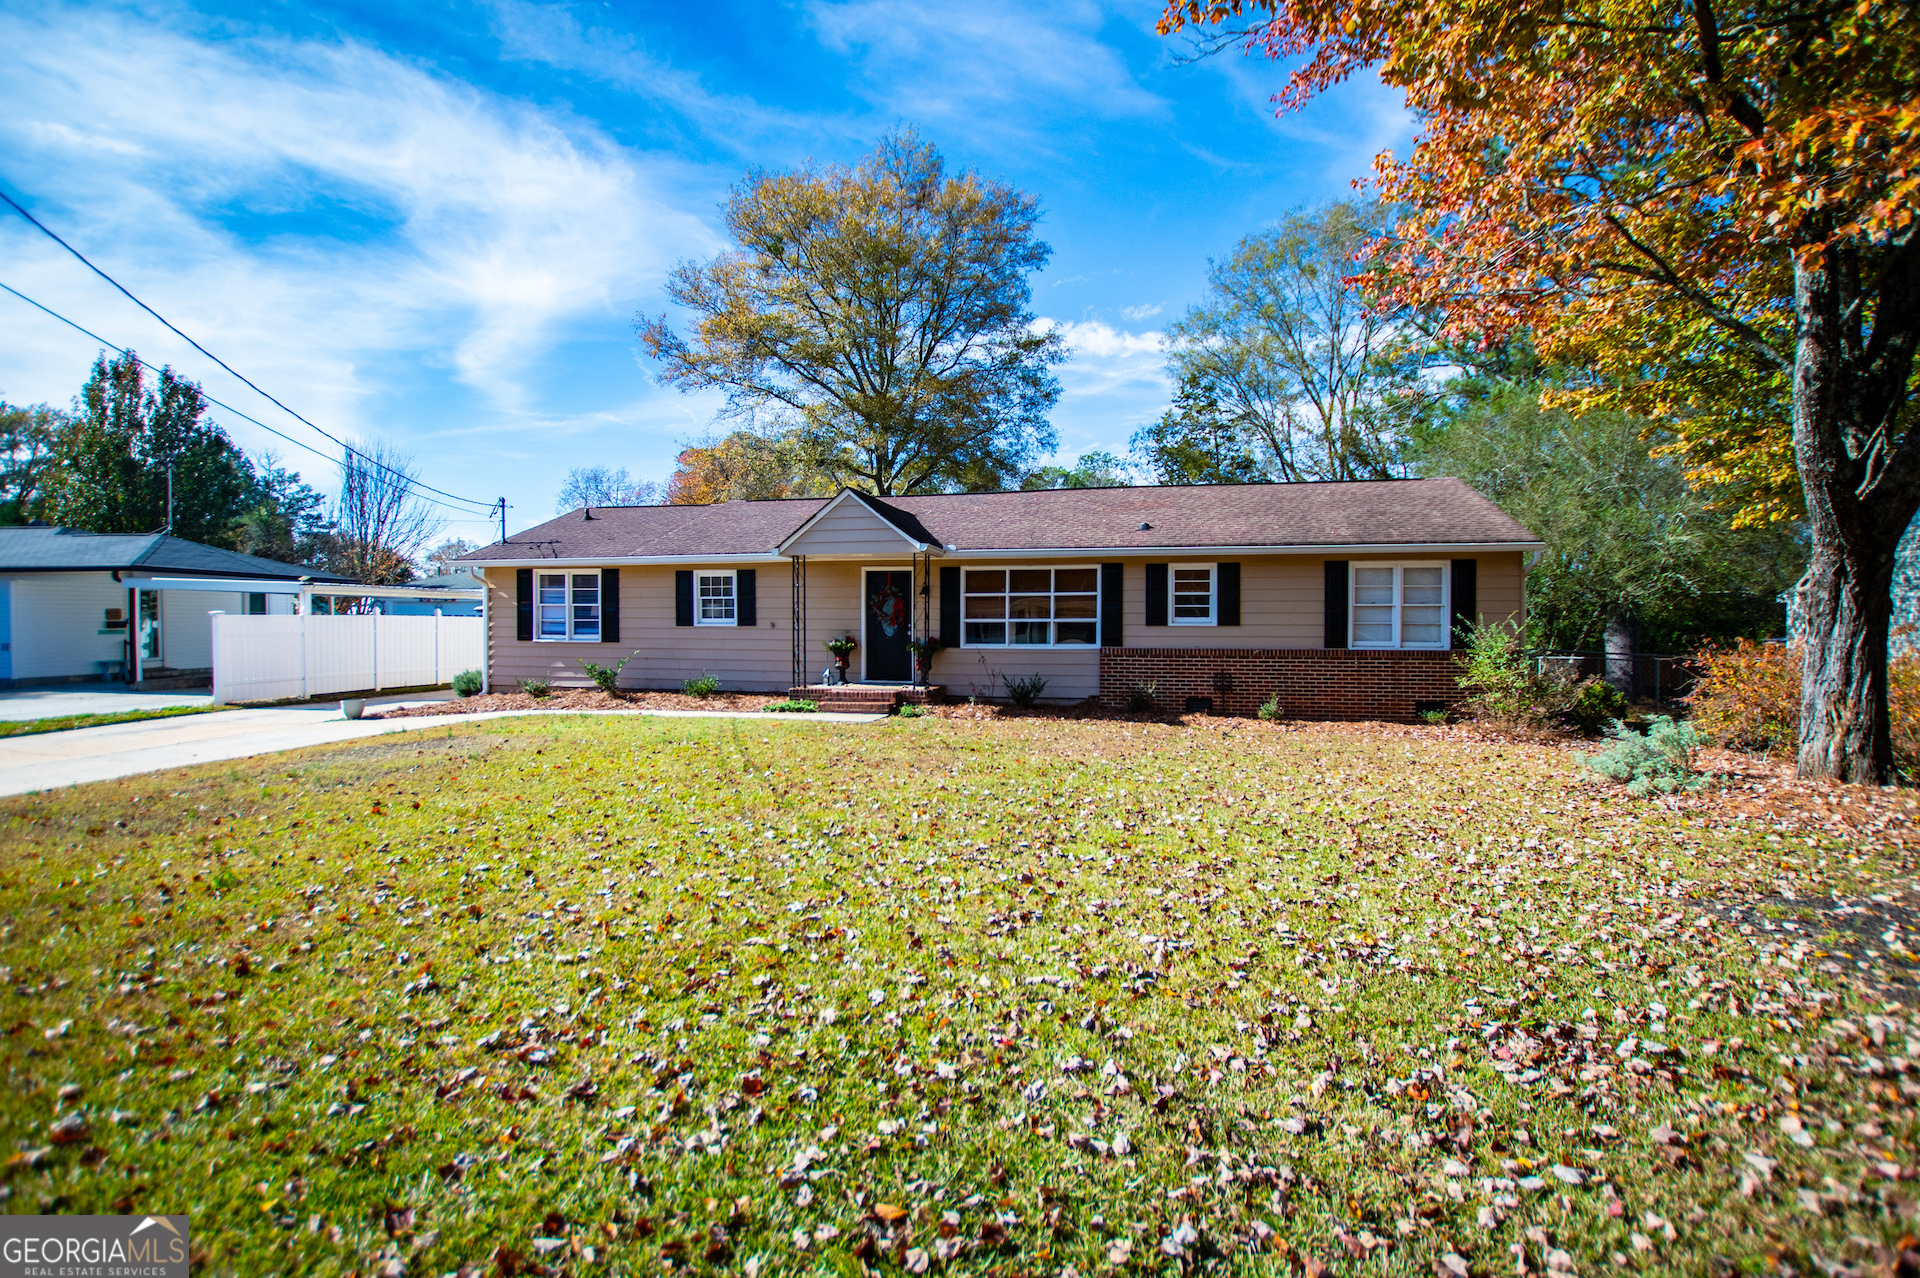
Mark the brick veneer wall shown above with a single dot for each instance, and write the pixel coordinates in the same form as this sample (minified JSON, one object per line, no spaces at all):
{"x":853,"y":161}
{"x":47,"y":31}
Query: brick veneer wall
{"x":1312,"y":683}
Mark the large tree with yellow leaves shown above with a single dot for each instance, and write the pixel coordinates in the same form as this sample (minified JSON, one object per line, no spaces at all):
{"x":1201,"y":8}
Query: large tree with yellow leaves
{"x":1710,"y":204}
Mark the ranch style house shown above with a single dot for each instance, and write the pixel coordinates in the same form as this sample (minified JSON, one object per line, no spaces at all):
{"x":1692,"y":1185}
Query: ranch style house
{"x":1341,"y":600}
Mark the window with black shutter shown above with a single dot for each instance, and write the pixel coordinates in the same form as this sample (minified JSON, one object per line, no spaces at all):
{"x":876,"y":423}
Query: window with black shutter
{"x":609,"y":605}
{"x":683,"y":597}
{"x":1336,"y":623}
{"x":1156,"y":594}
{"x":746,"y":607}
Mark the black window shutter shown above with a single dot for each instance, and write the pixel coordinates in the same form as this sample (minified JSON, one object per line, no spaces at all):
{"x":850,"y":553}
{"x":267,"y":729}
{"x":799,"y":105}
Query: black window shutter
{"x":683,"y":597}
{"x":746,"y":606}
{"x":1228,"y":589}
{"x":1336,"y":632}
{"x":523,"y":604}
{"x":949,"y":607}
{"x":1156,"y":594}
{"x":1113,"y":585}
{"x":1466,"y":600}
{"x":609,"y":605}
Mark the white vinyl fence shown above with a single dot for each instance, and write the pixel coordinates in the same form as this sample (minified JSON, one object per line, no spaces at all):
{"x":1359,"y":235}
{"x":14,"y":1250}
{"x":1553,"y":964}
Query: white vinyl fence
{"x":270,"y":658}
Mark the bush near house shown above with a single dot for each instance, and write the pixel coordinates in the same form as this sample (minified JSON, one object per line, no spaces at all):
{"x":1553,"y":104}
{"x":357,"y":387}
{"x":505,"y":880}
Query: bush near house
{"x":1509,"y":690}
{"x":1748,"y":698}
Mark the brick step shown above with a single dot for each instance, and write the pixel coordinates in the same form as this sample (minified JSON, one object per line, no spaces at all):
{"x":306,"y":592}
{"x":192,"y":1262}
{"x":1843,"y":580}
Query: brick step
{"x":866,"y":698}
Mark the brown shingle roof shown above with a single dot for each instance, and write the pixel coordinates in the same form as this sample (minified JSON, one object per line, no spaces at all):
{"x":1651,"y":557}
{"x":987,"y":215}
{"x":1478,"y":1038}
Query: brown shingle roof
{"x":1382,"y":513}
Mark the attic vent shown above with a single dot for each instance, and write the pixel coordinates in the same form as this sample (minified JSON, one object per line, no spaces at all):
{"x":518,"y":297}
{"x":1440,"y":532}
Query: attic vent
{"x":1144,"y":525}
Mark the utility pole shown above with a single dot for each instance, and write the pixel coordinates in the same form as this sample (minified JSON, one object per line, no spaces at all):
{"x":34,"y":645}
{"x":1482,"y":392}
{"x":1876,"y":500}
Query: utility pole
{"x":503,"y":519}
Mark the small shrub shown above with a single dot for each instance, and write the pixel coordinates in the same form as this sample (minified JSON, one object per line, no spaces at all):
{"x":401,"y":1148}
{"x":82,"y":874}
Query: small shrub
{"x":794,"y":707}
{"x":1025,"y":691}
{"x":607,"y":678}
{"x":1748,"y":698}
{"x":705,"y":685}
{"x":1140,"y":699}
{"x":537,"y":688}
{"x":1270,"y":708}
{"x":1433,"y":716}
{"x":1661,"y":762}
{"x":912,"y":711}
{"x":468,"y":683}
{"x":1509,"y":690}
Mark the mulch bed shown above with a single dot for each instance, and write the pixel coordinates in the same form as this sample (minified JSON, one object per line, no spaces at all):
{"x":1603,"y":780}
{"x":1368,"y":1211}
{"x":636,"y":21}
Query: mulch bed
{"x":586,"y":699}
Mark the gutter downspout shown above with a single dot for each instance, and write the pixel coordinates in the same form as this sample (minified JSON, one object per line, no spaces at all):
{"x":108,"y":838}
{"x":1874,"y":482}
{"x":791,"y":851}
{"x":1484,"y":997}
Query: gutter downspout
{"x":486,"y":628}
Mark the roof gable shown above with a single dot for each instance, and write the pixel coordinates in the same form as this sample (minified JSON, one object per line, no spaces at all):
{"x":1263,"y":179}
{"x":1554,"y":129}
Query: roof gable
{"x":854,"y":524}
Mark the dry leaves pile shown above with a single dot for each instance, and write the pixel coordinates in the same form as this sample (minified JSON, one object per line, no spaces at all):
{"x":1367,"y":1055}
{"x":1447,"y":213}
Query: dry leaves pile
{"x":1028,"y":996}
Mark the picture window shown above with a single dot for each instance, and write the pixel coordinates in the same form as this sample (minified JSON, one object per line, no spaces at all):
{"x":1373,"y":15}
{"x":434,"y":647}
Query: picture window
{"x":1031,"y":607}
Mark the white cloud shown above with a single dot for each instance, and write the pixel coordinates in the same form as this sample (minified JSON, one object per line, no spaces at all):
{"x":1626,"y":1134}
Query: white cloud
{"x":971,"y":61}
{"x":1137,"y":313}
{"x":1114,"y":383}
{"x":555,"y":36}
{"x":213,"y":179}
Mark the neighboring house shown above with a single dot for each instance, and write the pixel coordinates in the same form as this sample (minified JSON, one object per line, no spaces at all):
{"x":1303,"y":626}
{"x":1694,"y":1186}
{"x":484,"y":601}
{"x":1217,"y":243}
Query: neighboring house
{"x":1340,"y":599}
{"x":78,"y":606}
{"x":433,"y":607}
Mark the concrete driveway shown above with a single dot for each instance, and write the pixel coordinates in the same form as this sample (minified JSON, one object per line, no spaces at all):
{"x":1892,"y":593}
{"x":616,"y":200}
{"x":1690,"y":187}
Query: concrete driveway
{"x":67,"y":699}
{"x":50,"y":760}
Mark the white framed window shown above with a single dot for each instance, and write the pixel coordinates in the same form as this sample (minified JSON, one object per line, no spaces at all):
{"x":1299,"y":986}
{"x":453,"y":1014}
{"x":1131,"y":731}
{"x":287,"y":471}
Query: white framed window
{"x":567,"y":606}
{"x":1195,"y":591}
{"x":1400,"y":605}
{"x":1030,"y":607}
{"x":714,"y":600}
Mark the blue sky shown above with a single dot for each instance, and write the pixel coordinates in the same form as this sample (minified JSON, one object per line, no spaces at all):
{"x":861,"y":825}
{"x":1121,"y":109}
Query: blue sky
{"x":434,"y":222}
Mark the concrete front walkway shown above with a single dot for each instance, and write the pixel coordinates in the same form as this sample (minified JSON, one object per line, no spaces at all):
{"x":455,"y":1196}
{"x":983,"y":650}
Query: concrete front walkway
{"x":64,"y":700}
{"x":54,"y":759}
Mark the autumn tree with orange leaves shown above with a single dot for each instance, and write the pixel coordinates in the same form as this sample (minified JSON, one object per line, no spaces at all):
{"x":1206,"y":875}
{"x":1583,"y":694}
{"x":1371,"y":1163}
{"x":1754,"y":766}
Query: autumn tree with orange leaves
{"x":1708,"y":203}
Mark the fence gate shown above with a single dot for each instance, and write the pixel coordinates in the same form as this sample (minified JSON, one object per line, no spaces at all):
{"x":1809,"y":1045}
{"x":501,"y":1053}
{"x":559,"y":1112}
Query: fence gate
{"x":280,"y":658}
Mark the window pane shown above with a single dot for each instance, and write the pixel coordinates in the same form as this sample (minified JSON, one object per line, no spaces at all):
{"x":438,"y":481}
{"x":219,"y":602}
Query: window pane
{"x":1040,"y":606}
{"x":1373,"y":625}
{"x":716,"y":597}
{"x":986,"y":632}
{"x":1076,"y":579}
{"x":1067,"y":632}
{"x":553,"y":605}
{"x":1075,"y":606}
{"x":1420,"y":585}
{"x":986,"y":605}
{"x":1030,"y":631}
{"x":988,"y":581}
{"x":586,"y":585}
{"x":1421,"y":626}
{"x":1373,"y":585}
{"x":1030,"y":580}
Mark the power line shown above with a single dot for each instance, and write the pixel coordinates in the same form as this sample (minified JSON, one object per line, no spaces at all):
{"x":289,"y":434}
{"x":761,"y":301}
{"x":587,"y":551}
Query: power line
{"x":404,"y":477}
{"x":12,"y":203}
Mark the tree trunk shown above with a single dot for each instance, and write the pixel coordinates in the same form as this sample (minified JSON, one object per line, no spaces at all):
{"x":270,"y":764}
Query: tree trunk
{"x":1861,"y":486}
{"x":1621,"y":647}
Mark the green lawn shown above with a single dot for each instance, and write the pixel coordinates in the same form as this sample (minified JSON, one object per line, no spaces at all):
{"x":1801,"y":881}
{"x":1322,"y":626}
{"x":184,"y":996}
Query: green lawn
{"x":61,"y":723}
{"x":585,"y":996}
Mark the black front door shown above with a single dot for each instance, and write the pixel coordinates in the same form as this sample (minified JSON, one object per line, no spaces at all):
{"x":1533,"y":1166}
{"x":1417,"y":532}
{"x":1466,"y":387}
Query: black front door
{"x":889,"y":626}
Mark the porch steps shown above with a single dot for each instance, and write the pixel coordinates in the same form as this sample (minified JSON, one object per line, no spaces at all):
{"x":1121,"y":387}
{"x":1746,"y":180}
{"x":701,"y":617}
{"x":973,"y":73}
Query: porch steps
{"x":867,"y":698}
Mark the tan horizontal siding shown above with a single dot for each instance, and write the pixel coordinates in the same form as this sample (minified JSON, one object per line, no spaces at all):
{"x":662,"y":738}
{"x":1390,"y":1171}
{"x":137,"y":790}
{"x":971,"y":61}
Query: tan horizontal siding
{"x":1282,"y":606}
{"x":851,"y":529}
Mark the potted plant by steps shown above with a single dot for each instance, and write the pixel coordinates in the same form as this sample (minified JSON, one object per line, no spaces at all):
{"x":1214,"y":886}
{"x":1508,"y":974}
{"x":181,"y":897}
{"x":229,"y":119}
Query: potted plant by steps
{"x":842,"y":650}
{"x":923,"y":650}
{"x":353,"y":707}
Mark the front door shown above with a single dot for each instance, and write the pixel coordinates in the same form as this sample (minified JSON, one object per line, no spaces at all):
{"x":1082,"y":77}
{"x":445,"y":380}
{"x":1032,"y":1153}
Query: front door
{"x":889,"y":614}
